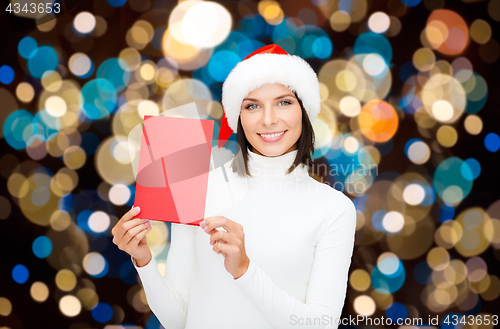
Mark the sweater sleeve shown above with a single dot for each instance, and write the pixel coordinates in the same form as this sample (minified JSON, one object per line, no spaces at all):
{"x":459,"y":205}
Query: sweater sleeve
{"x":327,"y":284}
{"x":168,"y":295}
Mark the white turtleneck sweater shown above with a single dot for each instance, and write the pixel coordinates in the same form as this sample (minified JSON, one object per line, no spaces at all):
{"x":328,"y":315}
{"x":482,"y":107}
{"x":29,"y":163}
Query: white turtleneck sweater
{"x":299,"y":237}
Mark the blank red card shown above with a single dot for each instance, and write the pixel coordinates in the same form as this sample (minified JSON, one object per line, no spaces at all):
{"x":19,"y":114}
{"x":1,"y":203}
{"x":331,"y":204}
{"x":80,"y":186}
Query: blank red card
{"x":174,"y":165}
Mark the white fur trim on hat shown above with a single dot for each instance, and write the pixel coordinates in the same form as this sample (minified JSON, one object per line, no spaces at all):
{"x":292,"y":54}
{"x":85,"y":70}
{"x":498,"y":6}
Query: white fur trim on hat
{"x":290,"y":70}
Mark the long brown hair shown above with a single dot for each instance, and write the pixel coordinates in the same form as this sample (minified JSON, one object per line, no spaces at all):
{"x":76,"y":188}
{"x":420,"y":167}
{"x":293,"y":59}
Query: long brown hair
{"x":305,"y":145}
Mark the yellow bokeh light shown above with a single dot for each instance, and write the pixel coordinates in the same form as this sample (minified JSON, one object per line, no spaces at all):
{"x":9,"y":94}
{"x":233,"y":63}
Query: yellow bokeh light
{"x":70,"y":306}
{"x":473,"y":124}
{"x":480,"y":31}
{"x":84,"y":22}
{"x":147,"y":107}
{"x":271,"y":11}
{"x":79,"y":64}
{"x":447,"y":136}
{"x":350,"y":106}
{"x":39,"y":291}
{"x":65,"y":280}
{"x":60,"y":220}
{"x":419,"y":152}
{"x":94,"y":263}
{"x":56,"y":106}
{"x":51,"y":80}
{"x":379,"y":22}
{"x":438,"y":258}
{"x":74,"y":157}
{"x":393,"y":222}
{"x":17,"y":185}
{"x":413,"y":194}
{"x":99,"y":221}
{"x":5,"y":306}
{"x":340,"y":21}
{"x":25,"y":92}
{"x":360,"y":280}
{"x":364,"y":305}
{"x":424,"y":59}
{"x":147,"y":72}
{"x":88,"y":298}
{"x":442,"y":110}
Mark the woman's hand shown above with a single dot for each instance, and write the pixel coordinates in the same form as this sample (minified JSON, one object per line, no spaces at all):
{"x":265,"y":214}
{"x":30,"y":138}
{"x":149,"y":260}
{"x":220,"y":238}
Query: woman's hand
{"x":129,"y":234}
{"x":230,"y":244}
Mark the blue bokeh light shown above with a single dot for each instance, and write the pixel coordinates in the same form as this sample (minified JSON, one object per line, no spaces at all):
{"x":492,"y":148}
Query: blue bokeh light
{"x":371,"y":42}
{"x":116,"y":3}
{"x":492,"y":142}
{"x":18,"y":129}
{"x":377,"y":219}
{"x":221,"y":63}
{"x":45,"y":59}
{"x":254,"y":26}
{"x":471,"y":168}
{"x":20,"y":273}
{"x":447,"y":213}
{"x":116,"y":71}
{"x":410,"y":3}
{"x":153,"y":322}
{"x":388,"y":283}
{"x":42,"y":247}
{"x":46,"y":125}
{"x":27,"y":47}
{"x":98,"y":99}
{"x":396,"y":311}
{"x":102,"y":312}
{"x":7,"y":74}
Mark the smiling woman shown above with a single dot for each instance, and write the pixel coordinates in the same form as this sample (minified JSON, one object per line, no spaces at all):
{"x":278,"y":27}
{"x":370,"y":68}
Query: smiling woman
{"x":271,"y":124}
{"x":279,"y":257}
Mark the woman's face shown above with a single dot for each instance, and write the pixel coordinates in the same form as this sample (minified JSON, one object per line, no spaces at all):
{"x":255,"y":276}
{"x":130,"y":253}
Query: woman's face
{"x":271,"y":109}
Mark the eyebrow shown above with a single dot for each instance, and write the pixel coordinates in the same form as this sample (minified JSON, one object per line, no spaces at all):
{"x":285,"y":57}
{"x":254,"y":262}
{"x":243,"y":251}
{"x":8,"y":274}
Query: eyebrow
{"x":256,"y":100}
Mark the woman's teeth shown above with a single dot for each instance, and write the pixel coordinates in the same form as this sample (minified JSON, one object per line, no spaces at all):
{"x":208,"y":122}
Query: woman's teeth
{"x":272,"y":135}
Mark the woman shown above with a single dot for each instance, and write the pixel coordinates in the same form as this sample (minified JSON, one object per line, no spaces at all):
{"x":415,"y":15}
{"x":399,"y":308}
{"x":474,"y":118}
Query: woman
{"x":280,"y":257}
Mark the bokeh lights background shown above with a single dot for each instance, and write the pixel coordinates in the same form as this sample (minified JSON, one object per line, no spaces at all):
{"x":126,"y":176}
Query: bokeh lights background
{"x":409,"y":129}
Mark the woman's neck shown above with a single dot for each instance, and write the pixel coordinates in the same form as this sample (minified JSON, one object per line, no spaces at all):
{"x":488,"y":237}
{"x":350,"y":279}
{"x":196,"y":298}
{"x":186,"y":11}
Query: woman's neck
{"x":275,"y":167}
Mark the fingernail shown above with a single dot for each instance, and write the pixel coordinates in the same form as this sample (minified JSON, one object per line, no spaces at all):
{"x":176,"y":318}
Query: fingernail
{"x":136,"y":210}
{"x":150,"y":227}
{"x":148,"y":224}
{"x":205,"y":228}
{"x":202,"y":223}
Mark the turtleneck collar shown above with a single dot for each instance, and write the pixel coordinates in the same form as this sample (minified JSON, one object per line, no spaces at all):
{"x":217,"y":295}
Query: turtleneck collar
{"x":274,"y":168}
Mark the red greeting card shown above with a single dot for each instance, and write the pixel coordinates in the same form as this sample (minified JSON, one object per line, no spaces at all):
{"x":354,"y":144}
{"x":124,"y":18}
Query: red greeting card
{"x":174,"y":164}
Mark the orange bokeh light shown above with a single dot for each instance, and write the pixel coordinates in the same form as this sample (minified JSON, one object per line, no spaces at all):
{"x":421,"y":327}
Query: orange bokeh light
{"x":456,"y":36}
{"x":378,"y":121}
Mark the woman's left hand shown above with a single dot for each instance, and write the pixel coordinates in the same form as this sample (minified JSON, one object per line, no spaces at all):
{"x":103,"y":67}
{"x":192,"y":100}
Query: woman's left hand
{"x":230,"y":244}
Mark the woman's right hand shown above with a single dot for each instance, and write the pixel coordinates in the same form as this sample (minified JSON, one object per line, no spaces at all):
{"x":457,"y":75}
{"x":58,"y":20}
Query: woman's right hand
{"x":129,"y":234}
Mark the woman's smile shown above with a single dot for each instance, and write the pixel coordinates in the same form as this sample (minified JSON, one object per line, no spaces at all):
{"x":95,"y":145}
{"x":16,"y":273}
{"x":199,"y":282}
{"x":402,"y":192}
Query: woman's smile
{"x":273,"y":137}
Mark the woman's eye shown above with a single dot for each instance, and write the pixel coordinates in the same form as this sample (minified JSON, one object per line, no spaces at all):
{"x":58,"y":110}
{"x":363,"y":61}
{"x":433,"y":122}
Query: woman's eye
{"x":285,"y":102}
{"x":250,"y":106}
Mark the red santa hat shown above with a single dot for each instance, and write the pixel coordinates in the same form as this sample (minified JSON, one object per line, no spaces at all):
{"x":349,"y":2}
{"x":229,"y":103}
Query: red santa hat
{"x":269,"y":64}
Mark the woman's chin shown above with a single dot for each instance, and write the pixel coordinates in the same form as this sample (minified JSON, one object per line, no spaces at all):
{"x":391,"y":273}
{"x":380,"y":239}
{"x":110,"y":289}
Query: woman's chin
{"x":271,"y":150}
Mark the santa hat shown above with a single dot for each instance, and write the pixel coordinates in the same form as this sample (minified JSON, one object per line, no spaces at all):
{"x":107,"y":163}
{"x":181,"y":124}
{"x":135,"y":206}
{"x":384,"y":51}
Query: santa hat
{"x":269,"y":64}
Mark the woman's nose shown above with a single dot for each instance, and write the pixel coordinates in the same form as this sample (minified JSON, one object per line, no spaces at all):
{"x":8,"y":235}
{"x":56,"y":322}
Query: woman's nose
{"x":269,"y":116}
